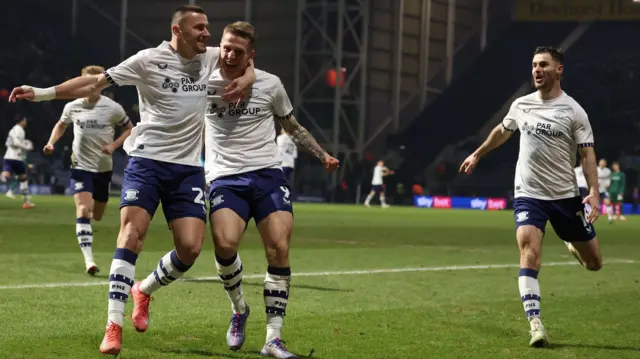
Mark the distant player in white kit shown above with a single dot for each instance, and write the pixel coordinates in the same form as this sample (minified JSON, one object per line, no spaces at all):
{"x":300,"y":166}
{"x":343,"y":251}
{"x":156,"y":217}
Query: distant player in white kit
{"x":94,"y":119}
{"x":604,"y":179}
{"x":164,"y":165}
{"x":245,"y":180}
{"x":14,"y":161}
{"x":377,"y":184}
{"x":288,"y":154}
{"x":581,"y":181}
{"x":553,"y":126}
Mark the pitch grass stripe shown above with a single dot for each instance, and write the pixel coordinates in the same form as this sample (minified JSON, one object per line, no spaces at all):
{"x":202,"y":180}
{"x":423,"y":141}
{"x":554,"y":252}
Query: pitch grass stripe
{"x":321,"y":274}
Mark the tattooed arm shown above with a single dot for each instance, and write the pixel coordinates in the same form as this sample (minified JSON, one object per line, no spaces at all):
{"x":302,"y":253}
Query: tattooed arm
{"x":302,"y":137}
{"x":305,"y":140}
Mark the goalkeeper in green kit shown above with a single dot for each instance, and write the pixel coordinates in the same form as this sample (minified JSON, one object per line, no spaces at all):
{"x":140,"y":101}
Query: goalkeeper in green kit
{"x":616,"y":192}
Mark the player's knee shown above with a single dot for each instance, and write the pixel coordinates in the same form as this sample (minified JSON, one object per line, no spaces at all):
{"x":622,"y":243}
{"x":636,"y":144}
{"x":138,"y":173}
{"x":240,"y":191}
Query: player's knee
{"x":529,"y":244}
{"x":594,"y":264}
{"x":130,"y":236}
{"x":225,"y":241}
{"x":84,"y":211}
{"x":189,"y":252}
{"x":277,"y":248}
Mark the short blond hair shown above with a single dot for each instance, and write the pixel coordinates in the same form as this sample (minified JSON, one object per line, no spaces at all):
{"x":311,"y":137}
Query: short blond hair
{"x":242,"y":29}
{"x":92,"y":70}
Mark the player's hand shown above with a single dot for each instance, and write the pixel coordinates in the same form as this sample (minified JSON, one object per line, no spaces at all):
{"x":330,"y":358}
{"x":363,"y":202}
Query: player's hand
{"x":48,"y":149}
{"x":21,"y":93}
{"x":330,"y":163}
{"x":470,"y":164}
{"x":234,"y":92}
{"x":108,"y":149}
{"x":593,"y":200}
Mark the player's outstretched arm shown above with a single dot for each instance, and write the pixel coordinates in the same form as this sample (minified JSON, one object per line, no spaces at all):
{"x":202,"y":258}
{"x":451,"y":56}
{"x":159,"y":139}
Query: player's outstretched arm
{"x":56,"y":134}
{"x":590,"y":169}
{"x":78,"y":87}
{"x":498,"y":136}
{"x":305,"y":140}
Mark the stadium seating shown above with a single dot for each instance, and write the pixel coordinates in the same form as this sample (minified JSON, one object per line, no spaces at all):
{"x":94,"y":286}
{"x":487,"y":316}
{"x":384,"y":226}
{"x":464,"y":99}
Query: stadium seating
{"x":476,"y":95}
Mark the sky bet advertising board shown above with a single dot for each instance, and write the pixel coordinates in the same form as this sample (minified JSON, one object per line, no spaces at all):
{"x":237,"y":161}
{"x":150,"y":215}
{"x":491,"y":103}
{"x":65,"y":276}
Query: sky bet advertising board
{"x":478,"y":203}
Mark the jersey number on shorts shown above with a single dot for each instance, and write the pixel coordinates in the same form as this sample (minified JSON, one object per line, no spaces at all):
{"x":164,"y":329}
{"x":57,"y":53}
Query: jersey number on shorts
{"x":586,"y":225}
{"x":199,"y":196}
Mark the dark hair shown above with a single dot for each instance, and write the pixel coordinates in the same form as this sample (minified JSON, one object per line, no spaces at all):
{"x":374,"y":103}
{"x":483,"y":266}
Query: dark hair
{"x":177,"y":14}
{"x":556,"y":53}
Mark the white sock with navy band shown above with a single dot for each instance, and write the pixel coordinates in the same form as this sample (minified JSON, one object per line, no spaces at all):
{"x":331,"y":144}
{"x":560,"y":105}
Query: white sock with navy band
{"x":170,"y":268}
{"x":84,"y":233}
{"x":529,"y":292}
{"x":121,"y":276}
{"x":276,"y":297}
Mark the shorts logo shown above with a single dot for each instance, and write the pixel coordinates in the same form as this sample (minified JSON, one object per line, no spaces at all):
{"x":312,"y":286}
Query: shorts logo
{"x":522,"y":216}
{"x":286,"y":193}
{"x":78,"y":186}
{"x":131,"y":195}
{"x":217,"y":200}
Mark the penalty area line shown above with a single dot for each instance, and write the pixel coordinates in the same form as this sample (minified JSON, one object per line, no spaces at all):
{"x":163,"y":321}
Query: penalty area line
{"x":321,"y":274}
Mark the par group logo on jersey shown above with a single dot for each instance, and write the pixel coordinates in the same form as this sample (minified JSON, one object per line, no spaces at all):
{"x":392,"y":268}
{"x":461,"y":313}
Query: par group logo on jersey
{"x":233,"y":109}
{"x":168,"y":84}
{"x":186,"y":84}
{"x":540,"y":129}
{"x":91,"y":124}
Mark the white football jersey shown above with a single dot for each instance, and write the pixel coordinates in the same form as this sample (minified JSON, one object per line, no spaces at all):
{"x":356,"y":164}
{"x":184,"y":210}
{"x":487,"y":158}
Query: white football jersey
{"x":550,"y":133}
{"x":17,"y":145}
{"x":604,"y":179}
{"x":172,"y":99}
{"x":93,"y":127}
{"x":378,"y":174}
{"x":240,"y":138}
{"x":580,"y":179}
{"x":287,"y":149}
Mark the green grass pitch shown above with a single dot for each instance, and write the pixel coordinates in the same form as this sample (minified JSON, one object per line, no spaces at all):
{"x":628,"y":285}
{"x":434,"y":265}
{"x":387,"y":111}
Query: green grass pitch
{"x":367,"y":283}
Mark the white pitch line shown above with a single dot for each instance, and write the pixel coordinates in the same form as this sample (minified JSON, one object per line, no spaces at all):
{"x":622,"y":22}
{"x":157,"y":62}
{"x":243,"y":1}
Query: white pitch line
{"x":321,"y":274}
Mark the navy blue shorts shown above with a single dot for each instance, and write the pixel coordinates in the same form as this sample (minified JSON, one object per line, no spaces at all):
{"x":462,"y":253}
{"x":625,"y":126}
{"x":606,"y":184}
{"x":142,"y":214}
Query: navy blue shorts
{"x":14,"y":167}
{"x":377,"y":188}
{"x":98,"y":183}
{"x":567,"y":217}
{"x":288,"y":174}
{"x":180,"y":188}
{"x":254,"y":194}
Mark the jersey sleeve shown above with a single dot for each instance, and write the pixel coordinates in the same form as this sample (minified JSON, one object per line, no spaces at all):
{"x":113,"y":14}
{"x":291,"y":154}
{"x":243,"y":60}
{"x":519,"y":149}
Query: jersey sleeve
{"x":509,"y":121}
{"x":119,"y":117}
{"x":129,"y":72}
{"x":582,"y":129}
{"x":65,"y":117}
{"x":281,"y":104}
